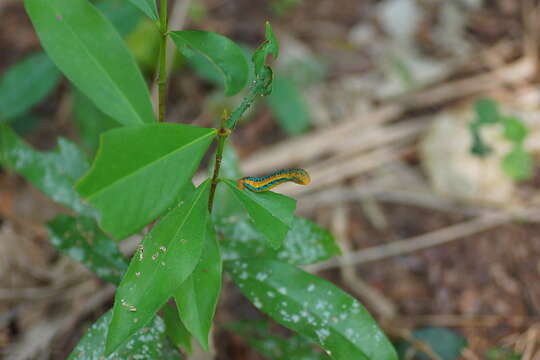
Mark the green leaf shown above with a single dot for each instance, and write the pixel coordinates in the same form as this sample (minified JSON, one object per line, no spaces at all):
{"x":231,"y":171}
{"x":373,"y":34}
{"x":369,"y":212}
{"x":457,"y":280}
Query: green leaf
{"x":306,"y":243}
{"x":54,"y":173}
{"x":225,"y":54}
{"x":518,"y":163}
{"x":139,"y":171}
{"x":176,"y":330}
{"x":478,"y":147}
{"x":25,"y":84}
{"x":204,"y":68}
{"x":25,"y":124}
{"x":121,"y":14}
{"x":312,"y":307}
{"x":499,"y":353}
{"x":197,"y":297}
{"x":288,"y":106}
{"x":81,"y":239}
{"x":282,"y":7}
{"x":166,"y":258}
{"x":148,"y":7}
{"x":487,"y":111}
{"x":88,"y":50}
{"x":271,"y":213}
{"x":259,"y":337}
{"x":144,"y":44}
{"x":444,"y":342}
{"x":148,"y":343}
{"x":91,"y":122}
{"x":269,"y":47}
{"x":515,"y":130}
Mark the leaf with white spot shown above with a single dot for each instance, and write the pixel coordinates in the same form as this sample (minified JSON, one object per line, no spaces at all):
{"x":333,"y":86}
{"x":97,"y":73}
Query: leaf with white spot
{"x":149,"y":343}
{"x":81,"y":239}
{"x":312,"y":307}
{"x":164,"y":260}
{"x":54,"y":172}
{"x":306,"y":242}
{"x":258,"y":335}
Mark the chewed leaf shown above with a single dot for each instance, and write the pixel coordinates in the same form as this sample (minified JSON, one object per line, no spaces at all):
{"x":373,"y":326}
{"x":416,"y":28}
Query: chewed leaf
{"x":165,"y":259}
{"x":269,"y":47}
{"x":271,"y":213}
{"x":312,"y":307}
{"x":81,"y":239}
{"x":148,"y":343}
{"x":139,"y":171}
{"x":221,"y":51}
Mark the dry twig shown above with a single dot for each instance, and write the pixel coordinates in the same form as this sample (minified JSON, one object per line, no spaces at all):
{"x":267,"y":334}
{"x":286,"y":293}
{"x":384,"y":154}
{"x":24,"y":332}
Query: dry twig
{"x":424,"y":241}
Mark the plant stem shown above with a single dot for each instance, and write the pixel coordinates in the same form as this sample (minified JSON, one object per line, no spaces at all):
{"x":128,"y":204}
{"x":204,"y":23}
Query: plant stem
{"x":223,"y":134}
{"x":162,"y":82}
{"x":246,"y":103}
{"x":227,"y":125}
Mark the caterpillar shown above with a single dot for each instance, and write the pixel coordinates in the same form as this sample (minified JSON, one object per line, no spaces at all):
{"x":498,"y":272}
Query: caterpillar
{"x":265,"y":183}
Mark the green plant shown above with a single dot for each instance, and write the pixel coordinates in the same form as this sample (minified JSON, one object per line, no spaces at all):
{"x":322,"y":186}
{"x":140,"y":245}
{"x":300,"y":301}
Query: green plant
{"x":143,"y":172}
{"x":282,"y":7}
{"x":517,"y":163}
{"x":500,"y":353}
{"x":445,"y":343}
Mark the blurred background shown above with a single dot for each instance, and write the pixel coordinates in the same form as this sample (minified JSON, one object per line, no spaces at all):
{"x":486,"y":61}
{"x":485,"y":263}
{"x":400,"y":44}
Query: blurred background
{"x":418,"y":120}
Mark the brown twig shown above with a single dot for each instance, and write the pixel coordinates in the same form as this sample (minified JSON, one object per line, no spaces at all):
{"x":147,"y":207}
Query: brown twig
{"x":438,"y":237}
{"x":376,"y":300}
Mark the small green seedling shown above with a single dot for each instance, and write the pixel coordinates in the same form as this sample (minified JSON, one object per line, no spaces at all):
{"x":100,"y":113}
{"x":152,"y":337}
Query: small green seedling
{"x":517,"y":163}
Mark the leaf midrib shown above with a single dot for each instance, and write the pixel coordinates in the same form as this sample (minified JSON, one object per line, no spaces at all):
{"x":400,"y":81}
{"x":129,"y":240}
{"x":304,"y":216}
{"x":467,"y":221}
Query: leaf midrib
{"x":161,"y":158}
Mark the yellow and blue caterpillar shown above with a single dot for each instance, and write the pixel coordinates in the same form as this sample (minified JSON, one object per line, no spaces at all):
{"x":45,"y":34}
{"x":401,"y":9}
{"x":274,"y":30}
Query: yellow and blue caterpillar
{"x":265,"y":183}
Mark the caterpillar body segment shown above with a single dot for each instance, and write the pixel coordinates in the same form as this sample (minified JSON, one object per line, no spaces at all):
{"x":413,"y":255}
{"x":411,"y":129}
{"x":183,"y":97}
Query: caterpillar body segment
{"x":265,"y":183}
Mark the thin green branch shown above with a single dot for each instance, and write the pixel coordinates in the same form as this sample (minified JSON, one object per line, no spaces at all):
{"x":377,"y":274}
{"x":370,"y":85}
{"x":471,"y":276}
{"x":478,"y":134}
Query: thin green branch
{"x":223,"y":134}
{"x":162,"y":82}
